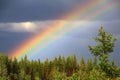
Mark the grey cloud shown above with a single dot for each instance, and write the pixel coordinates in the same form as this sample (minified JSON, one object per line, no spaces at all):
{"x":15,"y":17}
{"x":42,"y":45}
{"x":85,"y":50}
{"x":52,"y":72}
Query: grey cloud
{"x":35,"y":10}
{"x":4,"y":4}
{"x":32,"y":27}
{"x":29,"y":10}
{"x":75,"y":42}
{"x":10,"y":39}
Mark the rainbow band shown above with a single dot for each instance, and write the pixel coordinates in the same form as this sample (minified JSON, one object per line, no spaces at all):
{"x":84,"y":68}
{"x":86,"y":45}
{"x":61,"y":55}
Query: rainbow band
{"x":43,"y":40}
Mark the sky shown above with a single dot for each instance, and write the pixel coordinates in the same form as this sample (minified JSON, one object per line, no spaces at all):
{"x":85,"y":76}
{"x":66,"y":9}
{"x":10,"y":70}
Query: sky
{"x":22,"y":19}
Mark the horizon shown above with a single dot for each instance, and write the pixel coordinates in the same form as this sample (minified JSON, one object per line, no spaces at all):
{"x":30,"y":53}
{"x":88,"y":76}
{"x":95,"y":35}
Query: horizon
{"x":67,"y":27}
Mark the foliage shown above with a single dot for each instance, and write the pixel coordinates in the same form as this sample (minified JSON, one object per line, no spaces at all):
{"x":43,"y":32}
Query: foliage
{"x":96,"y":75}
{"x":102,"y":51}
{"x":61,"y":68}
{"x":105,"y":46}
{"x":50,"y":70}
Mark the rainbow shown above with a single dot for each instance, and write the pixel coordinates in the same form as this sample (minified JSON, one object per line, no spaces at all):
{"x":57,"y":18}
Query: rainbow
{"x":45,"y":38}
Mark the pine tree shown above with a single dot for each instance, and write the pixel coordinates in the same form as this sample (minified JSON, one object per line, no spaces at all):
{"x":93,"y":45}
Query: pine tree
{"x":89,"y":65}
{"x":3,"y":67}
{"x":39,"y":69}
{"x":46,"y":69}
{"x":63,"y":62}
{"x":74,"y":63}
{"x":82,"y":72}
{"x":102,"y":51}
{"x":82,"y":64}
{"x":105,"y":46}
{"x":68,"y":66}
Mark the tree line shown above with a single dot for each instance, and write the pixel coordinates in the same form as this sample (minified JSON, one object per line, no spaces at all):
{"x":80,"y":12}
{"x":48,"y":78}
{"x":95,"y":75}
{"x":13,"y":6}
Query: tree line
{"x":65,"y":68}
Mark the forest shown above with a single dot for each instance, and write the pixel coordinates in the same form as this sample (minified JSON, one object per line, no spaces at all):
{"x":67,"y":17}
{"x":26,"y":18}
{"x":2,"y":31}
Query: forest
{"x":66,"y":68}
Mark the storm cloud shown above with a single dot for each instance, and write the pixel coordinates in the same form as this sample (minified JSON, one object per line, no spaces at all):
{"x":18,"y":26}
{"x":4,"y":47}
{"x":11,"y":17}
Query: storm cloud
{"x":30,"y":10}
{"x":38,"y":10}
{"x":22,"y":19}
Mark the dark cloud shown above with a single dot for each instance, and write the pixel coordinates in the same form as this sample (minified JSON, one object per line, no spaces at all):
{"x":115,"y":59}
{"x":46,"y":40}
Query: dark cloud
{"x":29,"y":10}
{"x":10,"y":39}
{"x":76,"y":41}
{"x":4,"y":4}
{"x":35,"y":10}
{"x":12,"y":11}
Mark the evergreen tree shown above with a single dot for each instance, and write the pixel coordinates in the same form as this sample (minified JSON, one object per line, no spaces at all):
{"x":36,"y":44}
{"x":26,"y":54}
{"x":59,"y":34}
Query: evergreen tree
{"x":74,"y":63}
{"x":61,"y":68}
{"x":89,"y":65}
{"x":105,"y":46}
{"x":3,"y":67}
{"x":102,"y":51}
{"x":46,"y":69}
{"x":68,"y":66}
{"x":82,"y":64}
{"x":63,"y":62}
{"x":39,"y":69}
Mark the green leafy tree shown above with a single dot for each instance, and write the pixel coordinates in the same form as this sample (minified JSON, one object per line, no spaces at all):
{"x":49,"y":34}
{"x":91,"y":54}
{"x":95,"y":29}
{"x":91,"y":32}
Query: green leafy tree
{"x":3,"y":67}
{"x":46,"y":69}
{"x":74,"y":63}
{"x":102,"y":51}
{"x":105,"y":46}
{"x":96,"y":75}
{"x":82,"y":64}
{"x":68,"y":66}
{"x":63,"y":64}
{"x":89,"y":65}
{"x":56,"y":75}
{"x":39,"y":69}
{"x":74,"y":76}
